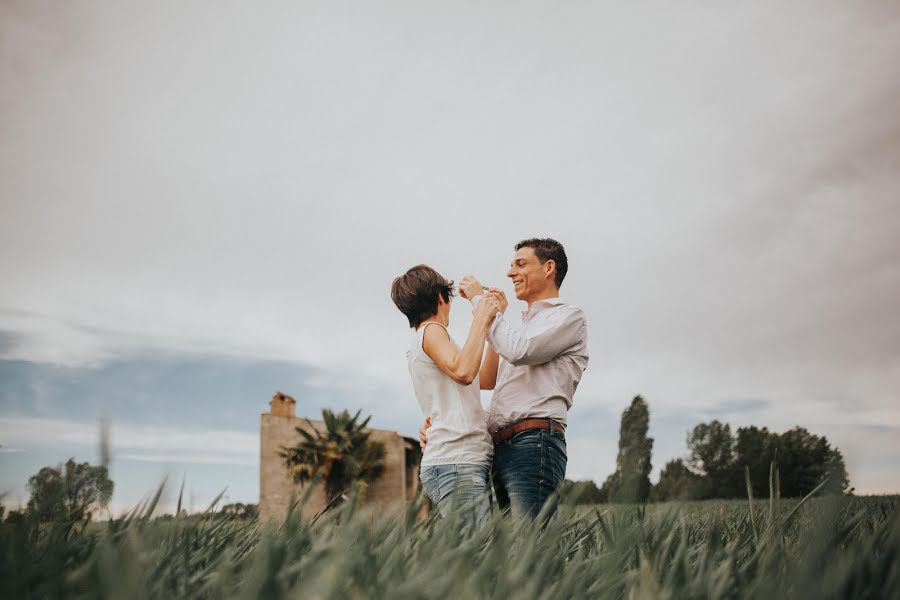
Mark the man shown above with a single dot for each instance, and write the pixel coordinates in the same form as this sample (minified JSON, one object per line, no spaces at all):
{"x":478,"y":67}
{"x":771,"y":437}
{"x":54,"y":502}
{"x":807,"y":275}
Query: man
{"x":543,"y":361}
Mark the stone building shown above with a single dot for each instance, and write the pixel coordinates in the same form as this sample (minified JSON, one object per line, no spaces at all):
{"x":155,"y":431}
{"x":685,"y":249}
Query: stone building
{"x":398,"y":483}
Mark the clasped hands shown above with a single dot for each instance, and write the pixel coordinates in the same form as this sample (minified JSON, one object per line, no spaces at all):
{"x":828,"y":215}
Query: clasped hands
{"x":469,"y":288}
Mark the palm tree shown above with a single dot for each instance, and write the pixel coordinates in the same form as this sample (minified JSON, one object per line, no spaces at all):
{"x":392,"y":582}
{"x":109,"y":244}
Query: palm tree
{"x":341,"y":455}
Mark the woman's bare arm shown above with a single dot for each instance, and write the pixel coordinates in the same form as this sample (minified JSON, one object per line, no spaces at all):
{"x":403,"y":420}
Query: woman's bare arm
{"x":461,"y":365}
{"x":487,"y":376}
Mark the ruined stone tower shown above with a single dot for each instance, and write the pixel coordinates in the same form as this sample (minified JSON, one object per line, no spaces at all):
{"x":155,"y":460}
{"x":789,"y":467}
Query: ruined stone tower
{"x":282,"y":405}
{"x":278,"y":429}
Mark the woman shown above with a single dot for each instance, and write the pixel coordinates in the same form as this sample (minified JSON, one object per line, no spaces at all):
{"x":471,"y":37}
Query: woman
{"x":457,"y":458}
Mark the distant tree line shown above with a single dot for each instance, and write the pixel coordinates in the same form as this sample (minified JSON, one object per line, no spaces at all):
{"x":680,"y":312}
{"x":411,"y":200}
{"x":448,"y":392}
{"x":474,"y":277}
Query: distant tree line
{"x":716,"y":464}
{"x":71,"y":491}
{"x":240,"y":510}
{"x":717,"y":460}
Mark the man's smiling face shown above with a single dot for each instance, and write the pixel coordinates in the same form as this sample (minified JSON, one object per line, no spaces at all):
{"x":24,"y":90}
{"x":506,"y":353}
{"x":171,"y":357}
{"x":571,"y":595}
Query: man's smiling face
{"x":529,"y":277}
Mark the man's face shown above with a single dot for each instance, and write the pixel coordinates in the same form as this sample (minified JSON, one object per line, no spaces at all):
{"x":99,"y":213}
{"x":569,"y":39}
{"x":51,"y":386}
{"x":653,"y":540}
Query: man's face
{"x":530,"y":278}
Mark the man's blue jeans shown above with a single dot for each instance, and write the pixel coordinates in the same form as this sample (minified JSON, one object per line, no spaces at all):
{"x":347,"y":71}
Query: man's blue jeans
{"x":529,"y":468}
{"x":461,"y":485}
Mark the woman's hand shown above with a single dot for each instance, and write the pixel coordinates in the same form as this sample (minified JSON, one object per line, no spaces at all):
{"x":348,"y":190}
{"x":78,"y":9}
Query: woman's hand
{"x":469,"y":287}
{"x":461,"y":365}
{"x":487,"y":308}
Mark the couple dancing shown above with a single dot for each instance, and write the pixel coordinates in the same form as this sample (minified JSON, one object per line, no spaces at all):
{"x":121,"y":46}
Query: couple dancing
{"x":533,"y":370}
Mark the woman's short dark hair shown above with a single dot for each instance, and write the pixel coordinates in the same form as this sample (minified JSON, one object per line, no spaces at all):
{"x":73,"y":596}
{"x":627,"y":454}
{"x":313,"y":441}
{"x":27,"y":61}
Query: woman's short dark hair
{"x":416,"y":293}
{"x":546,"y":249}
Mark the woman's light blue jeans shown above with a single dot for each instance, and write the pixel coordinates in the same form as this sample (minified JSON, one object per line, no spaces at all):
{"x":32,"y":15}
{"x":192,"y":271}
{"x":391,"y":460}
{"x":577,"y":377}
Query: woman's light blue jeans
{"x":458,"y":485}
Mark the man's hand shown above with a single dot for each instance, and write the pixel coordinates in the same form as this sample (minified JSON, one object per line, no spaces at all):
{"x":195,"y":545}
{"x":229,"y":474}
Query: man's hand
{"x":469,"y":287}
{"x":500,"y":296}
{"x":423,"y":435}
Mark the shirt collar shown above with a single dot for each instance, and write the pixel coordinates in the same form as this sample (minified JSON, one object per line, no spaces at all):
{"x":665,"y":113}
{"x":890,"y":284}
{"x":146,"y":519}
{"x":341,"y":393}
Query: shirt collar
{"x":551,"y":301}
{"x":538,"y":305}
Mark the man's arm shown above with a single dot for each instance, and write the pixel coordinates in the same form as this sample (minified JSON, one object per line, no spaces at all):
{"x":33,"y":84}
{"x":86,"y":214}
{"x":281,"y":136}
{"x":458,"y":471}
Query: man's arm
{"x":533,"y":345}
{"x":539,"y":342}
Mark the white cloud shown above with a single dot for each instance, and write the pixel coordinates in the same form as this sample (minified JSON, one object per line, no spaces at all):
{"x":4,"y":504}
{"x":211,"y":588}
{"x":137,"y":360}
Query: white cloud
{"x":725,"y":179}
{"x":158,"y":444}
{"x":197,"y":459}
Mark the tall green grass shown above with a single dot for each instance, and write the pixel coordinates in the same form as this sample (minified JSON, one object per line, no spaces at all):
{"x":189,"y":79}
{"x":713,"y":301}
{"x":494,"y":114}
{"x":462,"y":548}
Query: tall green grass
{"x":829,"y":547}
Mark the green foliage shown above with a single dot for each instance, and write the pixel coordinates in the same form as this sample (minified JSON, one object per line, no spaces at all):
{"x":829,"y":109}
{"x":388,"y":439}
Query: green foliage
{"x":240,"y":510}
{"x":581,"y":492}
{"x":342,"y":455}
{"x":631,"y":480}
{"x":71,"y":491}
{"x":48,"y":494}
{"x":804,"y":460}
{"x":677,"y":482}
{"x":824,"y":547}
{"x":716,"y":463}
{"x":755,"y":449}
{"x":15,"y":516}
{"x":711,"y":453}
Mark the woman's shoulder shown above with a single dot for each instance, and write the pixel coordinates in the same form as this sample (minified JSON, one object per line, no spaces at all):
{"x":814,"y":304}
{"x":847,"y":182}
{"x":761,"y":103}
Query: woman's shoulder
{"x":430,"y":336}
{"x":424,"y":328}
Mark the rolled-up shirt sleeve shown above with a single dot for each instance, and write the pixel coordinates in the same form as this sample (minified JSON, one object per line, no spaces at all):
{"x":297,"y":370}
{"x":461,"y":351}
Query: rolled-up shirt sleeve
{"x":538,"y":341}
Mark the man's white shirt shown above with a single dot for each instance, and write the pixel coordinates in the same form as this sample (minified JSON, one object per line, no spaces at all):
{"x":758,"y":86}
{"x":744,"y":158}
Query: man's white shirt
{"x":541,"y":363}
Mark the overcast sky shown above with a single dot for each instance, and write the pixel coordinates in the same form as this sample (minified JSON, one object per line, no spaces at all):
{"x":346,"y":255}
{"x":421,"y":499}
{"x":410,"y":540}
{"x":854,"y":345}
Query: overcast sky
{"x":205,"y":203}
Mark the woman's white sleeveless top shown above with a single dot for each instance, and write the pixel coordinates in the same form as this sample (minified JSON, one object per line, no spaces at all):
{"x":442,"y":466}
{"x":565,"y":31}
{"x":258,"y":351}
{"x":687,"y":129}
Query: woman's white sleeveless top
{"x":458,"y":432}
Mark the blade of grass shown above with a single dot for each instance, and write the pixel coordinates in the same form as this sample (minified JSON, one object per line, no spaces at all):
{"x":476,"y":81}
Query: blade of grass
{"x":750,"y":500}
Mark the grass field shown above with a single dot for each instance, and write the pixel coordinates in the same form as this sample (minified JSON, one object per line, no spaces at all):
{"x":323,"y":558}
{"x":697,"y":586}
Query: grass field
{"x":837,"y":547}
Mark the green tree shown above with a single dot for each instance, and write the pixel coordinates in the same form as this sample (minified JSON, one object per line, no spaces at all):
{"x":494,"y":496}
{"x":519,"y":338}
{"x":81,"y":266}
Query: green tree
{"x":241,"y":510}
{"x":711,"y":454}
{"x":15,"y":516}
{"x":47,"y":488}
{"x":805,"y":460}
{"x":71,"y":491}
{"x":631,"y":480}
{"x":341,"y":455}
{"x":677,"y":482}
{"x":581,"y":492}
{"x":755,"y":448}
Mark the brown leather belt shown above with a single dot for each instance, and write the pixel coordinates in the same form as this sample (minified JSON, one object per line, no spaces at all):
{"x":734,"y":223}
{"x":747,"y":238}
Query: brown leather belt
{"x":504,"y":433}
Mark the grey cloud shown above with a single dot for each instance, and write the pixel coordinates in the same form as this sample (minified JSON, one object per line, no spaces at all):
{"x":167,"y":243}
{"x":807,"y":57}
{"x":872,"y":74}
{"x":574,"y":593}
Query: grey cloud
{"x":738,"y":406}
{"x":8,"y":340}
{"x":724,"y":178}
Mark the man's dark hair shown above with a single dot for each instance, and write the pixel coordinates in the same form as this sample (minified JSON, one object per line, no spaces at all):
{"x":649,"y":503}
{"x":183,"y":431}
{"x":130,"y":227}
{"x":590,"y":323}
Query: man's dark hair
{"x":416,"y":293}
{"x":547,"y":249}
